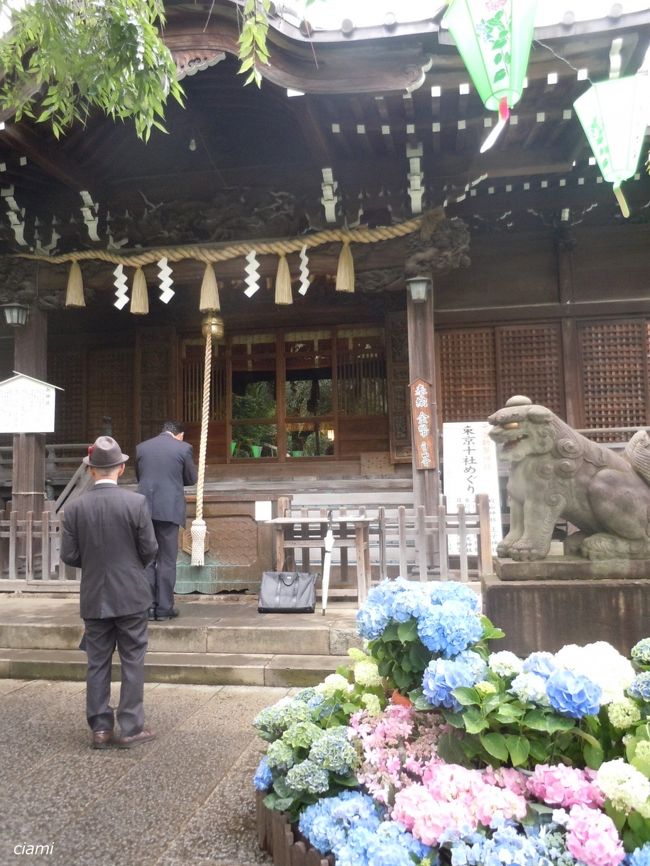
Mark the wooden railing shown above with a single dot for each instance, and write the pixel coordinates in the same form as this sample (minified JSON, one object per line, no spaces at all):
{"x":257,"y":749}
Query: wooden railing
{"x":401,"y":539}
{"x":29,"y":552}
{"x":61,"y":461}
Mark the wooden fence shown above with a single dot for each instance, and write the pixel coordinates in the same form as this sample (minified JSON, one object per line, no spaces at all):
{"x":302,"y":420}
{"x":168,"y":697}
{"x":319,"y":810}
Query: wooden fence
{"x":29,"y":553}
{"x":400,"y":540}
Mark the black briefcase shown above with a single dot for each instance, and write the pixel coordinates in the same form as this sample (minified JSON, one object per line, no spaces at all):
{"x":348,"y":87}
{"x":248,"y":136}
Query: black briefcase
{"x":287,"y":592}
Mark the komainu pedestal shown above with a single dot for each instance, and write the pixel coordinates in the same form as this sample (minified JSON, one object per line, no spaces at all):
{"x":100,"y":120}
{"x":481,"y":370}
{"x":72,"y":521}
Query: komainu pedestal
{"x":546,"y":604}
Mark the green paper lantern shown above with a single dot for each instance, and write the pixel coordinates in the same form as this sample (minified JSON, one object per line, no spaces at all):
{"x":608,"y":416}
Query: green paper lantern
{"x":614,"y":115}
{"x":494,"y":39}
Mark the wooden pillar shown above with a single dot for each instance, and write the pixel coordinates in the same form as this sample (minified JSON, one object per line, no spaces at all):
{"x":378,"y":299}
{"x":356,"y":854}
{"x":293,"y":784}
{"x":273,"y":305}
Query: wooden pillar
{"x":565,"y":243}
{"x":28,"y":478}
{"x":419,"y":314}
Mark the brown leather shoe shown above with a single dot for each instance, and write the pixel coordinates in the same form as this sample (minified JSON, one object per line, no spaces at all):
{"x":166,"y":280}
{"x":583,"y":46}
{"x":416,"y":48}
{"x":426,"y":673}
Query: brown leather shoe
{"x":144,"y":736}
{"x":102,"y":739}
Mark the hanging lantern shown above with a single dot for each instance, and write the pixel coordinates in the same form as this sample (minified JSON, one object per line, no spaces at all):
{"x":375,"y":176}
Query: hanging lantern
{"x":613,"y":115}
{"x":494,"y":39}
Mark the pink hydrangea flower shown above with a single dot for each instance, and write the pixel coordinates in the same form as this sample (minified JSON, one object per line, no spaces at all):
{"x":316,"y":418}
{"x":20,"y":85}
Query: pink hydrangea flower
{"x":564,"y":786}
{"x":592,"y":837}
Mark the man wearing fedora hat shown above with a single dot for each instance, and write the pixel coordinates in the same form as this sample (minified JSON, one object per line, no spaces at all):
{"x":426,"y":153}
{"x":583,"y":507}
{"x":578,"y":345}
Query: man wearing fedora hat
{"x":108,"y":533}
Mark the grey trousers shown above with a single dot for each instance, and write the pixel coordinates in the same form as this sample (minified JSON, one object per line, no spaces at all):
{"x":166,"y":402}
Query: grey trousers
{"x":162,"y":571}
{"x":129,"y":634}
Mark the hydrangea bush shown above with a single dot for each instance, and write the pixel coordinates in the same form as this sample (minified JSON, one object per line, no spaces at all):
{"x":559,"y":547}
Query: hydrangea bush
{"x":432,"y":750}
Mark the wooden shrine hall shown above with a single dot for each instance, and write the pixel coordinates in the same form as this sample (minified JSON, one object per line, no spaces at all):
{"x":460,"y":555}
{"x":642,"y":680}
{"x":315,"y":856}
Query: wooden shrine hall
{"x":354,"y":167}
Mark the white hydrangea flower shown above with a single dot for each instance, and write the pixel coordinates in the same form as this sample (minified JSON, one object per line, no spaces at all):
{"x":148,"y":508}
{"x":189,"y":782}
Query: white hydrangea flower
{"x":624,"y":713}
{"x":366,"y":674}
{"x":505,"y":664}
{"x":530,"y":689}
{"x":333,"y":683}
{"x":602,"y":664}
{"x":624,"y":786}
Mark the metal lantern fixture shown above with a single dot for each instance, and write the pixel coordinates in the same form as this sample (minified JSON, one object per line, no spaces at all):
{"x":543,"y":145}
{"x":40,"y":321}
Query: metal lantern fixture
{"x":494,"y":39}
{"x":613,"y":115}
{"x":15,"y":314}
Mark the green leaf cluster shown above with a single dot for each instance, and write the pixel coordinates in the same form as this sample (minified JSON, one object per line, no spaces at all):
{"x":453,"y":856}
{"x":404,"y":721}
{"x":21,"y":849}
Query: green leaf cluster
{"x":253,"y":51}
{"x":400,"y":655}
{"x":62,"y":59}
{"x":495,"y":728}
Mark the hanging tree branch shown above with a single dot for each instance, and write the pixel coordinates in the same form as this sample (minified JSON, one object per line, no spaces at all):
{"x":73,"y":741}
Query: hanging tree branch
{"x":63,"y":58}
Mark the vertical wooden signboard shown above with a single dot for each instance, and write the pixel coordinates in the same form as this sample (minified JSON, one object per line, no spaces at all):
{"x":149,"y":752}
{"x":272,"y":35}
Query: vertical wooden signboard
{"x":422,"y":424}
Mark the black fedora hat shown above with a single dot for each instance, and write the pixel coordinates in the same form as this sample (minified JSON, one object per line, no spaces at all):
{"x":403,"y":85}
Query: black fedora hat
{"x":105,"y":453}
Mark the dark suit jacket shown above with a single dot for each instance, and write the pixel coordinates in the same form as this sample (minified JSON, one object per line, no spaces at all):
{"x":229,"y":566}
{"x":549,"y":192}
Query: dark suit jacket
{"x":163,"y":466}
{"x":108,"y":533}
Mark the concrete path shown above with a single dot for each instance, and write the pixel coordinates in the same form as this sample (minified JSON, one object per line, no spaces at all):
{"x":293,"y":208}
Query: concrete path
{"x":185,"y":799}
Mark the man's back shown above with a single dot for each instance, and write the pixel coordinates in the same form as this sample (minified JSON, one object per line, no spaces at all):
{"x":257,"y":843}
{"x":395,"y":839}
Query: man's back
{"x":107,"y":532}
{"x":163,"y":466}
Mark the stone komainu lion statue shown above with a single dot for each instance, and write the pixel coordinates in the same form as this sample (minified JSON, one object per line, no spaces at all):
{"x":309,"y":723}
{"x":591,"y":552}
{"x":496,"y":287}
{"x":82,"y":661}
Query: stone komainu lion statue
{"x":556,"y":473}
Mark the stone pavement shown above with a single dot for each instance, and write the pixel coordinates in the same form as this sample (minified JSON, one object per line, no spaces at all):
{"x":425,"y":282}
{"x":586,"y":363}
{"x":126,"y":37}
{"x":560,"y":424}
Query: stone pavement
{"x":185,"y":799}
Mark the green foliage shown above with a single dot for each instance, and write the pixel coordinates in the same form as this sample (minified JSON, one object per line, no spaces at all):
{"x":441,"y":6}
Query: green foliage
{"x":401,"y":656}
{"x":64,"y":58}
{"x":495,"y":728}
{"x":253,"y":51}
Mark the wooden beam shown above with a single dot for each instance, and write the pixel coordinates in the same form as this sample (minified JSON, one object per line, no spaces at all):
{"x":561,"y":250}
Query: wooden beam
{"x":57,"y":166}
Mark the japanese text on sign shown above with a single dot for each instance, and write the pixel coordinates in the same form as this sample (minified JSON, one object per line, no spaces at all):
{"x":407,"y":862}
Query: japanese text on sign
{"x":422,"y":425}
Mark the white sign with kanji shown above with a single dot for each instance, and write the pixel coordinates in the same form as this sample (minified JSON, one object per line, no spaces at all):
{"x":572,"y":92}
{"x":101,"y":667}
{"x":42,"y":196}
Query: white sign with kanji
{"x":470,"y":468}
{"x":27,"y":405}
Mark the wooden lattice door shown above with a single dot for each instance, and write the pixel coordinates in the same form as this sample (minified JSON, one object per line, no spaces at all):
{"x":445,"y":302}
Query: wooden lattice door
{"x":529,"y":362}
{"x":468,"y":374}
{"x":110,"y":393}
{"x":614,"y":369}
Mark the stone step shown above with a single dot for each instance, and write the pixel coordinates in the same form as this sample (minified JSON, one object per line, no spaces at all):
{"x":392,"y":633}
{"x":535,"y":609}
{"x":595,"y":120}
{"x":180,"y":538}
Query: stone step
{"x":198,"y":668}
{"x":283,"y":636}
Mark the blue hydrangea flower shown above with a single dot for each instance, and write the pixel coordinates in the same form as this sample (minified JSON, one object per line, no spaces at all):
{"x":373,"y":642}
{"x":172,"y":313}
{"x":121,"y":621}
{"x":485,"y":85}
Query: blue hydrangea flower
{"x":639,"y":857}
{"x":542,"y":664}
{"x":451,"y":590}
{"x":442,"y":676}
{"x":388,"y":845}
{"x":506,"y":845}
{"x":640,"y":687}
{"x":573,"y":695}
{"x":263,"y":778}
{"x":410,"y":602}
{"x":327,"y":822}
{"x":372,"y":620}
{"x":449,"y":628}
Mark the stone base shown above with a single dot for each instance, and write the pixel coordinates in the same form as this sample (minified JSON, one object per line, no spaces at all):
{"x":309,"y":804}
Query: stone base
{"x":546,"y":614}
{"x":214,"y":577}
{"x":572,"y":568}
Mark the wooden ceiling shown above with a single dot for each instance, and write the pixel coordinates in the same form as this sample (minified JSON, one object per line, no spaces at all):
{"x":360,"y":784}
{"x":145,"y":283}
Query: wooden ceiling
{"x":388,"y":125}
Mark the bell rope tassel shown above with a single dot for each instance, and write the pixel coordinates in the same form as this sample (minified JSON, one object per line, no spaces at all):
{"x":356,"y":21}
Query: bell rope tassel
{"x":139,"y":294}
{"x":345,"y":269}
{"x":620,"y":198}
{"x":197,"y":532}
{"x":209,"y":299}
{"x":283,"y":282}
{"x":74,"y":294}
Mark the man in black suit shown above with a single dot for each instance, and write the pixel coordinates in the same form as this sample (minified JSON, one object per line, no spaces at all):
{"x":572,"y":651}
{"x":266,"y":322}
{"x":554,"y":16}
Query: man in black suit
{"x":163,"y":466}
{"x":108,"y":533}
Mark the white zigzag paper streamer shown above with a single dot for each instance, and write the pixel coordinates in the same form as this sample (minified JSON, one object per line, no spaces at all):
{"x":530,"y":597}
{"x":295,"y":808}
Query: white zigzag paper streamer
{"x":165,"y":277}
{"x":121,"y":293}
{"x":252,"y":274}
{"x":304,"y":272}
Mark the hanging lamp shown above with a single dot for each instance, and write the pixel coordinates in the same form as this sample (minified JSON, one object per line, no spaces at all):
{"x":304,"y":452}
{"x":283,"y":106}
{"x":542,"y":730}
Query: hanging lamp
{"x":494,"y":39}
{"x":614,"y":115}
